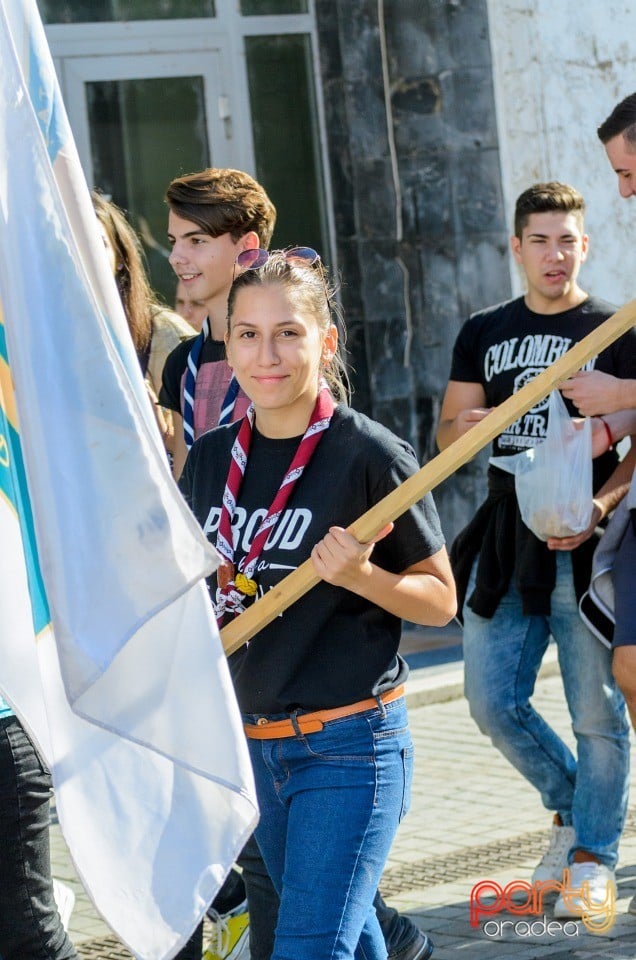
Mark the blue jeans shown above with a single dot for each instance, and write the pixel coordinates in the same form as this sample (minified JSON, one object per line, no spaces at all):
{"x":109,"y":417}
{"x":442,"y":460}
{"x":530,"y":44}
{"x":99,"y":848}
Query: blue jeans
{"x":330,"y":804}
{"x":398,"y":930}
{"x":30,"y":926}
{"x":502,"y":657}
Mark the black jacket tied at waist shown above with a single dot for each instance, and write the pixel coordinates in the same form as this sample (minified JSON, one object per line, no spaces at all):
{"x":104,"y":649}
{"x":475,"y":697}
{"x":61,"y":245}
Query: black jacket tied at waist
{"x":506,"y":547}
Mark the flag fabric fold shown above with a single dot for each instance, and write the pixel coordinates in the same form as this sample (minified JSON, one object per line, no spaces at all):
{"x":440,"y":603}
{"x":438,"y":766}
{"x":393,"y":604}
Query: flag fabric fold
{"x":108,"y":647}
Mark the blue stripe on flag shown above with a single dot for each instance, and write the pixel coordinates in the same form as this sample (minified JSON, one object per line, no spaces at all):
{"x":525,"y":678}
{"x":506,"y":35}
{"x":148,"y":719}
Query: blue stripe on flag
{"x":13,"y":487}
{"x":44,"y":96}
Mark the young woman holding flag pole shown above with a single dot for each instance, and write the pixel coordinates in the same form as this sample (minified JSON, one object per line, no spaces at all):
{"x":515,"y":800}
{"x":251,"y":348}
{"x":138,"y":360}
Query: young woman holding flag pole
{"x":321,"y":688}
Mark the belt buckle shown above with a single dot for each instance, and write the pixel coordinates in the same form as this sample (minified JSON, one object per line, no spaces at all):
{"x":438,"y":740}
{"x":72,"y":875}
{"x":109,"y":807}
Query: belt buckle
{"x":262,"y":722}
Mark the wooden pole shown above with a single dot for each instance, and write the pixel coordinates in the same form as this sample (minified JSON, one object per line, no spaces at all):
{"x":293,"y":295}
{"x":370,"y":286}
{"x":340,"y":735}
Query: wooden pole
{"x":293,"y":586}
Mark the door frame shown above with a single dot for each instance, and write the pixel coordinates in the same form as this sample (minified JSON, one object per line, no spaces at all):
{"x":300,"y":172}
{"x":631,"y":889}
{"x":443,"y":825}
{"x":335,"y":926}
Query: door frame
{"x":224,"y":33}
{"x":77,"y":71}
{"x":79,"y":50}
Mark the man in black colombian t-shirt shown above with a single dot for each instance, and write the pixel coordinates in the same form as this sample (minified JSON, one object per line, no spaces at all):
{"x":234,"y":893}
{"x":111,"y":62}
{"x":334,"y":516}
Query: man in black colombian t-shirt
{"x":517,"y":590}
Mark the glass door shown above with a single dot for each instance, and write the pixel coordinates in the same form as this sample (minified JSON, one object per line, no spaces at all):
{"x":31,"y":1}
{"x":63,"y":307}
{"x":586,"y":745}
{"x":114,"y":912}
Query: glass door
{"x":156,"y":89}
{"x":139,"y":121}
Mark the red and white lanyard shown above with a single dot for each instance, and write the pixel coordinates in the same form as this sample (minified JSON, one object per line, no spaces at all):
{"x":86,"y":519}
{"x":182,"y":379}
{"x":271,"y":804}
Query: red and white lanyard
{"x":234,"y":587}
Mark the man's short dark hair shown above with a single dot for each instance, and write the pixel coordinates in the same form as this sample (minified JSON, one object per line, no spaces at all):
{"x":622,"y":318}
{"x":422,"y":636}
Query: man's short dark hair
{"x":622,"y":119}
{"x":545,"y":198}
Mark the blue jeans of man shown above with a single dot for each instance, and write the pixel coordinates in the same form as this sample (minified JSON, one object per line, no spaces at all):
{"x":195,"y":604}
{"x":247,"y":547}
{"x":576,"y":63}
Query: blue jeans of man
{"x":502,"y":657}
{"x":30,"y":926}
{"x":330,"y":804}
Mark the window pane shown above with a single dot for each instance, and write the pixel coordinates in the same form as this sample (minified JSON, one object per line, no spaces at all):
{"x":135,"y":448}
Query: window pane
{"x":286,"y":136}
{"x":255,"y":8}
{"x":144,"y":133}
{"x":92,"y":11}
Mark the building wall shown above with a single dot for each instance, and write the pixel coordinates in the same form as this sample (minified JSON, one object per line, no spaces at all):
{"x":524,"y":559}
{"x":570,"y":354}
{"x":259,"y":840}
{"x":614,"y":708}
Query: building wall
{"x":559,"y":69}
{"x":420,"y":223}
{"x":440,"y":112}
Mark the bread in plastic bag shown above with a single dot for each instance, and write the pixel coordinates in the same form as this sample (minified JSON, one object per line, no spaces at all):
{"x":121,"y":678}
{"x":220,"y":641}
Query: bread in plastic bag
{"x":553,"y":481}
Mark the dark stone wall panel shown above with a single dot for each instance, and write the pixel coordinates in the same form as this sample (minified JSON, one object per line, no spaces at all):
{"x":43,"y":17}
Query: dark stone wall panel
{"x":451,"y":111}
{"x":437,"y":35}
{"x":417,"y":36}
{"x":382,"y":283}
{"x":355,"y":351}
{"x":458,"y":497}
{"x":477,"y":193}
{"x":482,"y":260}
{"x":416,"y":96}
{"x":467,"y":32}
{"x":411,"y":280}
{"x":426,"y":196}
{"x":375,"y":210}
{"x":435,"y":327}
{"x":340,"y":162}
{"x":427,"y":416}
{"x":360,"y":39}
{"x":472,"y":106}
{"x":330,"y":50}
{"x":390,"y":378}
{"x":366,"y":120}
{"x":397,"y":415}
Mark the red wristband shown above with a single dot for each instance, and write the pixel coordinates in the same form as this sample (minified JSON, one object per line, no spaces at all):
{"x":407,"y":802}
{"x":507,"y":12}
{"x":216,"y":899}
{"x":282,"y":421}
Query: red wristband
{"x":610,"y":438}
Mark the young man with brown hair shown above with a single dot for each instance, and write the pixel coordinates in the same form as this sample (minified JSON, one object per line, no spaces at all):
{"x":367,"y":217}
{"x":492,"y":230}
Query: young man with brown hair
{"x":519,"y":590}
{"x":214,"y":215}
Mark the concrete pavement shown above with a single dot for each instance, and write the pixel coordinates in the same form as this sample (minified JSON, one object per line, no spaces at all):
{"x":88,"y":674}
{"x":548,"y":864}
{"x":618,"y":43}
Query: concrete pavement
{"x":472,"y":818}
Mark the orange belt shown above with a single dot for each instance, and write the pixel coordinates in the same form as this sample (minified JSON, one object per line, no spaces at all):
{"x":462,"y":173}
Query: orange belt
{"x":265,"y":729}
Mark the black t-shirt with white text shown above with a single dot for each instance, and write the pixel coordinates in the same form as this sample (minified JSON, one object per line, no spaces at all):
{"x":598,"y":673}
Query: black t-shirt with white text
{"x":331,"y":647}
{"x":505,"y":346}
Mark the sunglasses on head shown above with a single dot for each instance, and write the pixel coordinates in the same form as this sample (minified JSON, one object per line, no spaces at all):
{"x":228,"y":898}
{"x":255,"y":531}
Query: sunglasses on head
{"x":253,"y":259}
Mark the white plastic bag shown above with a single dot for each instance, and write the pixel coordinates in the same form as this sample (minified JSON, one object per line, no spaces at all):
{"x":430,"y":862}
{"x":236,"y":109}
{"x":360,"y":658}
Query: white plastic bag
{"x":553,"y":481}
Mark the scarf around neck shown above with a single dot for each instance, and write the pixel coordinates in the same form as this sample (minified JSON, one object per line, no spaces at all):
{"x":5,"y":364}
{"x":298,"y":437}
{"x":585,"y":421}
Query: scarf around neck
{"x":189,"y":387}
{"x":234,"y":587}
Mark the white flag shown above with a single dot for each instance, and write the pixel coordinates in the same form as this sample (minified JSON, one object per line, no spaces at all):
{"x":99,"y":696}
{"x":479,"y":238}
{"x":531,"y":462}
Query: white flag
{"x":108,"y":647}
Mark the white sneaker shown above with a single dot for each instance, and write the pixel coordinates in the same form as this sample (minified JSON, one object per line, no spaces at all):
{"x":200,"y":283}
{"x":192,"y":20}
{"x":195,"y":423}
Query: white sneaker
{"x":555,"y":859}
{"x":590,"y":889}
{"x":64,"y":900}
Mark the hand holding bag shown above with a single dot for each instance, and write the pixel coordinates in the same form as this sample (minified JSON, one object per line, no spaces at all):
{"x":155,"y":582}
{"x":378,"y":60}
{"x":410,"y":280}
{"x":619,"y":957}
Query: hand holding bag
{"x":553,"y":481}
